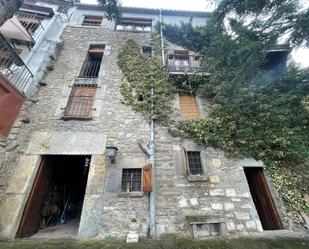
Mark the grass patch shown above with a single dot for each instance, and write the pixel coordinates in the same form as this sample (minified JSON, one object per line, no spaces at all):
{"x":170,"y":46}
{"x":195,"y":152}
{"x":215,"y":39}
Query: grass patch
{"x":245,"y":243}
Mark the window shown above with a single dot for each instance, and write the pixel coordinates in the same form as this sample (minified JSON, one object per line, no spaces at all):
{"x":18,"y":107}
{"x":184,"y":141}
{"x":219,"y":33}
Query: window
{"x":31,"y":25}
{"x":131,"y":180}
{"x":92,"y":20}
{"x":135,"y":25}
{"x":93,"y":61}
{"x":194,"y":162}
{"x":147,"y":51}
{"x":188,"y":106}
{"x":80,"y":102}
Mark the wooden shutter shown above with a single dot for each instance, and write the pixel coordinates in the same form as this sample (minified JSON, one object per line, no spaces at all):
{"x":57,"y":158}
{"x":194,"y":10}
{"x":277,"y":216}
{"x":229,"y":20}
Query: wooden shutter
{"x":185,"y":157}
{"x":147,"y":181}
{"x":188,"y":106}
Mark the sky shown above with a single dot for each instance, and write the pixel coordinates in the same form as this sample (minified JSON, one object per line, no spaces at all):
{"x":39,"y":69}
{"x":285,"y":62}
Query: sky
{"x":300,"y":55}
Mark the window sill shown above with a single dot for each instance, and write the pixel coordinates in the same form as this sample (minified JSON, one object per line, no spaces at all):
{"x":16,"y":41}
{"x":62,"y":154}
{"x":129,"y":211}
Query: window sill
{"x":201,"y":178}
{"x":131,"y":194}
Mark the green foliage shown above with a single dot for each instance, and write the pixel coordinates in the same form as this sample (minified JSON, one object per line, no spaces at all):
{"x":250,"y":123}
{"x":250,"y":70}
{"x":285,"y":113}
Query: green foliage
{"x":112,"y":8}
{"x":143,"y":73}
{"x":190,"y":83}
{"x":253,"y":114}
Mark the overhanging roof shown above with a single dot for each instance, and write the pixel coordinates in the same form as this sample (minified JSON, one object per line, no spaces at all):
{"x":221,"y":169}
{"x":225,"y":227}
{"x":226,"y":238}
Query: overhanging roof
{"x":137,"y":10}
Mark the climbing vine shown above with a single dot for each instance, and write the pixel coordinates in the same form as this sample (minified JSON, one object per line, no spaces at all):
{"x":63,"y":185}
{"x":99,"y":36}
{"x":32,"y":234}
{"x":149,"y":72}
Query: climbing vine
{"x":142,"y":74}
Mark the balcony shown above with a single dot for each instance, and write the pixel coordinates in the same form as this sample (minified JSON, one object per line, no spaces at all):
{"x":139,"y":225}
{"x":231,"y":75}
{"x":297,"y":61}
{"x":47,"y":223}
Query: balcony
{"x":13,"y":68}
{"x":135,"y":25}
{"x":185,"y":64}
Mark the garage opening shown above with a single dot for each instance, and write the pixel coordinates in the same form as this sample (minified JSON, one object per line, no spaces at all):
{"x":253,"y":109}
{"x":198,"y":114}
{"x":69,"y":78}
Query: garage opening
{"x":262,"y":199}
{"x":55,"y":203}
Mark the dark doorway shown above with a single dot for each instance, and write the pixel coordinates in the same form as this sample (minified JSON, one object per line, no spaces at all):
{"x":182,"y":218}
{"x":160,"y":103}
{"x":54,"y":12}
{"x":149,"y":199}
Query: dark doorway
{"x":57,"y":194}
{"x":262,"y":199}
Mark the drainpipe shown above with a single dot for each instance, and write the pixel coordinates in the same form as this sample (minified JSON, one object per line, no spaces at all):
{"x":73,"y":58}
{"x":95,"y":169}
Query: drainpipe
{"x":162,"y":39}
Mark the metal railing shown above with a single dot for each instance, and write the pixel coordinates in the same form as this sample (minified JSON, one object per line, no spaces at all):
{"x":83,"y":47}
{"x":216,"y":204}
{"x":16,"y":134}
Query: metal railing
{"x":31,"y":22}
{"x":80,"y":104}
{"x":13,"y":68}
{"x":188,"y":64}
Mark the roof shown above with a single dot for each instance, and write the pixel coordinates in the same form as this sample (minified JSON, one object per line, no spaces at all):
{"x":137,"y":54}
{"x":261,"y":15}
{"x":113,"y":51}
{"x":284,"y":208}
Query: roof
{"x":152,"y":11}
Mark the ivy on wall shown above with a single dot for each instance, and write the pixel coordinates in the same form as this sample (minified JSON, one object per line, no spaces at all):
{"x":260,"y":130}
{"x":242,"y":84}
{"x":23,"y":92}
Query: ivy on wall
{"x":142,"y":73}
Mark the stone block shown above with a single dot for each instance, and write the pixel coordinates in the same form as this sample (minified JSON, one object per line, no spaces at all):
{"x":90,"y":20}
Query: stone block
{"x":228,"y":206}
{"x":217,"y":206}
{"x":242,"y":216}
{"x":216,"y":192}
{"x":214,"y":179}
{"x":244,"y":195}
{"x":259,"y":225}
{"x":231,"y":192}
{"x":182,"y":202}
{"x":236,"y":199}
{"x":240,"y":227}
{"x":250,"y":225}
{"x":230,"y":225}
{"x":216,"y":163}
{"x":194,"y":201}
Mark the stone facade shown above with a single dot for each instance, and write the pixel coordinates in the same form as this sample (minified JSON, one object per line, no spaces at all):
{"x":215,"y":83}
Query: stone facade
{"x":222,"y":191}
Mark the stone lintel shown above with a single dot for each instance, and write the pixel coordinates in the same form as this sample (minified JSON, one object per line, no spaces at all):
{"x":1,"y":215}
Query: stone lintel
{"x":67,"y":143}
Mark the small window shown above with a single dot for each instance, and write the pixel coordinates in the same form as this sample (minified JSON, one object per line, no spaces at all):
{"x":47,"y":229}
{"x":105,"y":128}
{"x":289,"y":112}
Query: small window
{"x":194,"y":162}
{"x":188,"y":106}
{"x":92,"y":64}
{"x":80,"y":102}
{"x":147,"y":51}
{"x":92,"y":20}
{"x":131,"y":180}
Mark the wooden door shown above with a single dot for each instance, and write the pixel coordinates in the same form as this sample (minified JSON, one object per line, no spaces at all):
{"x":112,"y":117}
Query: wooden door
{"x":30,"y":220}
{"x":262,"y":199}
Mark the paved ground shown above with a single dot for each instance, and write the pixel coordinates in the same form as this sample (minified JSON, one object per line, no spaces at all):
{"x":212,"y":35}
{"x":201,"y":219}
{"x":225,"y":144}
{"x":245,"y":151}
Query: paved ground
{"x":168,"y":243}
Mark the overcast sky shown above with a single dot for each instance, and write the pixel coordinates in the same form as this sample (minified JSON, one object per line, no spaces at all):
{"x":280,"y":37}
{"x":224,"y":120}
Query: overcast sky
{"x":300,"y":56}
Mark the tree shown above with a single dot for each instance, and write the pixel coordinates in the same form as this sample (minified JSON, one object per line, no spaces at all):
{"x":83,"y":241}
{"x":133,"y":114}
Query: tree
{"x":112,"y":8}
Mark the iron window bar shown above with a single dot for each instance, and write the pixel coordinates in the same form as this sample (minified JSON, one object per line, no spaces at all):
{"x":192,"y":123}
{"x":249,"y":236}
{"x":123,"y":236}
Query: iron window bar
{"x":195,"y":163}
{"x":80,"y":103}
{"x":13,"y":68}
{"x":91,"y":66}
{"x":131,"y":180}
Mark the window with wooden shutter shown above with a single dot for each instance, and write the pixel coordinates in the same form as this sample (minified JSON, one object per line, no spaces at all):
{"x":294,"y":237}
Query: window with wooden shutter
{"x":80,"y":102}
{"x":147,"y":178}
{"x":131,"y":180}
{"x":188,"y":106}
{"x":92,"y":20}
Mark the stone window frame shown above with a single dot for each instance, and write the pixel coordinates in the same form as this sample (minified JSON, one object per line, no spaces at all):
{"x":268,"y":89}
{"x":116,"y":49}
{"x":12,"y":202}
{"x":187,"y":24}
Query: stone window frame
{"x":206,"y":167}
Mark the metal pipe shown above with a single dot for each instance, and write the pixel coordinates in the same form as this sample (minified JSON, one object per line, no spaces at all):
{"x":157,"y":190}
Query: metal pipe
{"x":162,"y":39}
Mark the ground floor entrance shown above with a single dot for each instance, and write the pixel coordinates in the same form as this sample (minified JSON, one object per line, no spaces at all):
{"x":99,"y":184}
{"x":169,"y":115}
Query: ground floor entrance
{"x":262,"y":199}
{"x":56,"y":199}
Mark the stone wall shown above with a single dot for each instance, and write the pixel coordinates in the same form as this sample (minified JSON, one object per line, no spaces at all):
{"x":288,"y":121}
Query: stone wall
{"x":221,"y":192}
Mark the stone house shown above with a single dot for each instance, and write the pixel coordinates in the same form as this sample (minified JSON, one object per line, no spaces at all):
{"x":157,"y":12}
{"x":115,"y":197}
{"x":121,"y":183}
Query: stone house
{"x":74,"y":157}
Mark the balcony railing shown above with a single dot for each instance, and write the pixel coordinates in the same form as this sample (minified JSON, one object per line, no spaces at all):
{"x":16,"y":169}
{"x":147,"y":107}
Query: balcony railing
{"x":13,"y":68}
{"x":185,"y":64}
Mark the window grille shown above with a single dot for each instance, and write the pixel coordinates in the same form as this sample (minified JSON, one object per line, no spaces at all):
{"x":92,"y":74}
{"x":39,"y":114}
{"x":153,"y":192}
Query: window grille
{"x":92,"y":20}
{"x":188,"y":106}
{"x":194,"y":161}
{"x":80,"y":102}
{"x":93,"y":61}
{"x":131,"y":180}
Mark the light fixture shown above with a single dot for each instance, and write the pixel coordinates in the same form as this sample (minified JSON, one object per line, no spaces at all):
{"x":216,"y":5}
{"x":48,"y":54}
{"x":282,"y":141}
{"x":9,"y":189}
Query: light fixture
{"x":111,"y":153}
